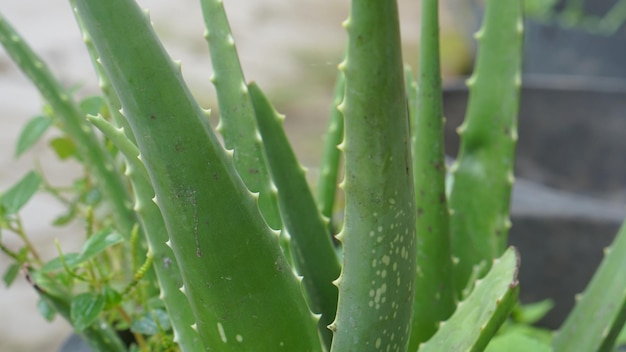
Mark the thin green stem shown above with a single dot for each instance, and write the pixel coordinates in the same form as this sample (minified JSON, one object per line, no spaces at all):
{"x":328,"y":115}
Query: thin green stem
{"x":434,"y":295}
{"x":22,"y":235}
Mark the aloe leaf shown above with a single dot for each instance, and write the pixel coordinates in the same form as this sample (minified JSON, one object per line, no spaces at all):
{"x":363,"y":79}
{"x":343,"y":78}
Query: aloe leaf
{"x":242,"y":292}
{"x":331,"y":155}
{"x":376,"y":286}
{"x":112,"y":101}
{"x":434,"y":294}
{"x":483,"y":172}
{"x":620,"y":342}
{"x":237,"y":121}
{"x":165,"y":264}
{"x":311,"y":244}
{"x":90,"y":149}
{"x":19,"y":194}
{"x":478,"y":317}
{"x":600,"y":312}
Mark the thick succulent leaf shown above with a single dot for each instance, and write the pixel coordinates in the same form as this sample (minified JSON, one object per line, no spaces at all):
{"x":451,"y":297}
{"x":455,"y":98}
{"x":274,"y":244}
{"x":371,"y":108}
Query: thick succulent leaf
{"x":241,"y":289}
{"x":165,"y":264}
{"x":435,"y":297}
{"x":237,"y":121}
{"x":112,"y":101}
{"x":600,"y":312}
{"x":483,"y":172}
{"x":478,"y":317}
{"x":376,"y":286}
{"x":311,"y":244}
{"x":331,"y":157}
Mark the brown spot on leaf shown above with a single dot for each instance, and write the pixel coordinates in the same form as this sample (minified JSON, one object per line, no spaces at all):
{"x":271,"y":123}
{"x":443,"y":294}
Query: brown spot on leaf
{"x":179,"y":146}
{"x":278,"y":266}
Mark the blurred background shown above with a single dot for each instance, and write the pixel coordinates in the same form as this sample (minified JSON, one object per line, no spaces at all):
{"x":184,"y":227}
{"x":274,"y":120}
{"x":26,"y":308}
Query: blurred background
{"x":568,"y":202}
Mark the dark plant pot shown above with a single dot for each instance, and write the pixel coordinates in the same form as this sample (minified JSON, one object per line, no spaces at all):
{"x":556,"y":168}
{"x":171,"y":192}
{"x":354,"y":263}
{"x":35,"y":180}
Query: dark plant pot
{"x":75,"y":343}
{"x":569,"y":200}
{"x":554,"y":48}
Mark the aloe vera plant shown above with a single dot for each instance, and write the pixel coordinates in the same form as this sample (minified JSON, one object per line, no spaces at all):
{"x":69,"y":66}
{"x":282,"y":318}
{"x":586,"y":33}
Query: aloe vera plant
{"x":231,"y":233}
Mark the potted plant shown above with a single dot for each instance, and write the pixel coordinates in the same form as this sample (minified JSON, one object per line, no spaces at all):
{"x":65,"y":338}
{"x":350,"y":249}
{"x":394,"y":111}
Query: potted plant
{"x":197,"y":244}
{"x":570,"y":122}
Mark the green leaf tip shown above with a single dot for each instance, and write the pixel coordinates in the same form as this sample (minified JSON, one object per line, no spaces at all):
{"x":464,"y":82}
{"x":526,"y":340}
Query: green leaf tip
{"x":604,"y":299}
{"x":244,"y":278}
{"x":482,"y":175}
{"x":312,"y":249}
{"x":435,"y":297}
{"x":379,"y":247}
{"x":478,"y":317}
